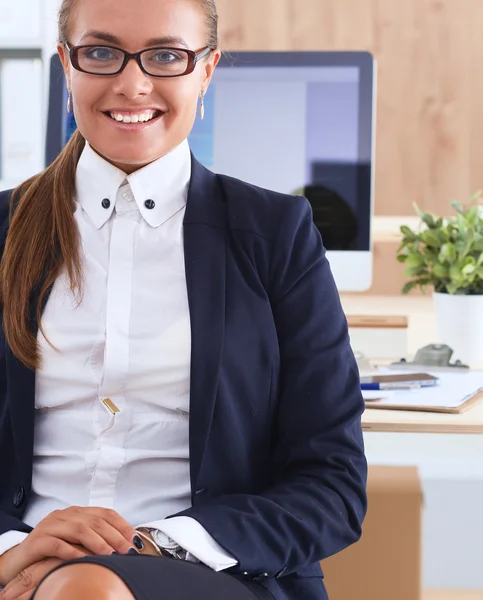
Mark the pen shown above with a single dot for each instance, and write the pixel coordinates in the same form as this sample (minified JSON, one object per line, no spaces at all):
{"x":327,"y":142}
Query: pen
{"x":377,"y":387}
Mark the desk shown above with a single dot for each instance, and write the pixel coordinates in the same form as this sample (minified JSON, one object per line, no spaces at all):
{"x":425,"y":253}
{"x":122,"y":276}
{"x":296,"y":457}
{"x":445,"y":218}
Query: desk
{"x":450,"y":465}
{"x":404,"y":421}
{"x":421,"y":331}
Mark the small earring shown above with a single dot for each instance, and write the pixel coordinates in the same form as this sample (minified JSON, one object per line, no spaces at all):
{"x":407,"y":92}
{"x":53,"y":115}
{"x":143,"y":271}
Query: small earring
{"x":69,"y":103}
{"x":202,"y":105}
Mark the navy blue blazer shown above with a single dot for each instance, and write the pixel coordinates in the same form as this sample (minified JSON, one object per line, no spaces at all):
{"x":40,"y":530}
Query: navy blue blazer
{"x":278,"y":470}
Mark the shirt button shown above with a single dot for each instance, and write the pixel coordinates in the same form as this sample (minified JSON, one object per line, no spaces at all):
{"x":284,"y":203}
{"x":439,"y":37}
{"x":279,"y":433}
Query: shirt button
{"x":106,"y":203}
{"x":150,"y":204}
{"x":19,"y":497}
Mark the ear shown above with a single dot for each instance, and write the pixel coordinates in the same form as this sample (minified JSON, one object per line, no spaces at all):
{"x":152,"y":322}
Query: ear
{"x":210,"y":67}
{"x":65,"y":60}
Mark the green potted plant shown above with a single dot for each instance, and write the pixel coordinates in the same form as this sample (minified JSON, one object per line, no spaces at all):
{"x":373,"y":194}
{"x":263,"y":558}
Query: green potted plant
{"x":446,"y":254}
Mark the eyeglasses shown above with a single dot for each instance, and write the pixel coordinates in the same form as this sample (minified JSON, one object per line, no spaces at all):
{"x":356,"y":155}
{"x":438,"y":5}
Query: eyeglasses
{"x":156,"y":62}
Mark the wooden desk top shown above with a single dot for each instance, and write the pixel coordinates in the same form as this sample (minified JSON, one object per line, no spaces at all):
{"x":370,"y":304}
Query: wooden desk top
{"x":404,"y":421}
{"x":421,"y":331}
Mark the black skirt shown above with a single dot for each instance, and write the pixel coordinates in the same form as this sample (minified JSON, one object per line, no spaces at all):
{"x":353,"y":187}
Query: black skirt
{"x":152,"y":578}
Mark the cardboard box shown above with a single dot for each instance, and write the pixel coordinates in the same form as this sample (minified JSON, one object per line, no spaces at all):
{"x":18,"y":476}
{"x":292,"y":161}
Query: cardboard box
{"x":386,"y":563}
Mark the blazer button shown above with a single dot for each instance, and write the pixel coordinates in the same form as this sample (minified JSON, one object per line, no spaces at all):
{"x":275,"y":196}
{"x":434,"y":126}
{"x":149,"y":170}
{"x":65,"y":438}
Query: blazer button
{"x":19,"y":497}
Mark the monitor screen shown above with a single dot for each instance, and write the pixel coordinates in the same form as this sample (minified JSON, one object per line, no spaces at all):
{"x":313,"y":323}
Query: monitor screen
{"x":294,"y":122}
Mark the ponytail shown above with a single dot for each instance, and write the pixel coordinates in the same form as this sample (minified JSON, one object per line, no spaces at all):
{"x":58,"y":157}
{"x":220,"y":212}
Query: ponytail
{"x":42,"y":239}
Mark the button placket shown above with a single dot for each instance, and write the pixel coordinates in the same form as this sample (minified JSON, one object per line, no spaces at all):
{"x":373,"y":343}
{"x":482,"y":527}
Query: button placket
{"x":111,"y":439}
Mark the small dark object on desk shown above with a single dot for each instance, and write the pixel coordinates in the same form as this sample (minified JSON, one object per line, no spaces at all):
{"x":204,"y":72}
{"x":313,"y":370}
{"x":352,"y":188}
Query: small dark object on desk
{"x":436,"y":356}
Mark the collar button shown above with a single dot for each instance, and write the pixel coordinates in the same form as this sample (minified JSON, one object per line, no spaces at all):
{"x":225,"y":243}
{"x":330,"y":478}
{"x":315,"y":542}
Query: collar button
{"x":150,"y":204}
{"x":106,"y":203}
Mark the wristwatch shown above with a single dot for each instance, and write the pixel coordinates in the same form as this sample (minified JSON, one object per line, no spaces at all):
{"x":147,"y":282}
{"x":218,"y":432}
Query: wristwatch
{"x":167,"y":546}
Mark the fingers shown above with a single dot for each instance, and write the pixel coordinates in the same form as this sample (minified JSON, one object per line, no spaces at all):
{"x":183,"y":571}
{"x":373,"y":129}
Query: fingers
{"x":95,"y":535}
{"x":109,"y":516}
{"x":102,"y":531}
{"x":23,"y":586}
{"x":34,"y":549}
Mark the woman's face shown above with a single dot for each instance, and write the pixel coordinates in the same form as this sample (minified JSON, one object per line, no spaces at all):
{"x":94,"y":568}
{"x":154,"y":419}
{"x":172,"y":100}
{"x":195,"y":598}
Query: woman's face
{"x":134,"y":26}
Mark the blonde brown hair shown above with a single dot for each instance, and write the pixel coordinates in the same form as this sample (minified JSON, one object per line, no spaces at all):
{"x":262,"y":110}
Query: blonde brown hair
{"x":43,"y":237}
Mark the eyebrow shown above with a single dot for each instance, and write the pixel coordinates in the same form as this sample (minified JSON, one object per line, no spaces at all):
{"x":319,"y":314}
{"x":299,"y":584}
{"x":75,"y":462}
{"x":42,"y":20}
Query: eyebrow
{"x":112,"y":39}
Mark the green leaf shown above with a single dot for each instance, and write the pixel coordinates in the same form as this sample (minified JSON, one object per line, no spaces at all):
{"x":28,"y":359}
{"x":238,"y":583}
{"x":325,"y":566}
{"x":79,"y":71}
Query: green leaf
{"x":461,"y":222}
{"x":409,"y":235}
{"x":428,"y":219}
{"x":415,"y":271}
{"x":431,"y":238}
{"x":459,"y":208}
{"x":448,"y":253}
{"x":410,"y":285}
{"x":463,"y":247}
{"x":414,"y":260}
{"x":440,"y":271}
{"x":478,"y":245}
{"x":472,"y":215}
{"x":417,"y":210}
{"x":468,"y":269}
{"x":455,"y":274}
{"x":475,"y":196}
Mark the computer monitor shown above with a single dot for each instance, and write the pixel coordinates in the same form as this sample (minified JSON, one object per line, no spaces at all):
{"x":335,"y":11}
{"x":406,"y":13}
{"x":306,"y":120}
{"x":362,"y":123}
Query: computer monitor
{"x":294,"y":122}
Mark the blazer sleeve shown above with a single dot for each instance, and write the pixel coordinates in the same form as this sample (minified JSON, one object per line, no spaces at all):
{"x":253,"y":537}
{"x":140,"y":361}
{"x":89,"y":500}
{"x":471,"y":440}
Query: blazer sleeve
{"x":318,"y":501}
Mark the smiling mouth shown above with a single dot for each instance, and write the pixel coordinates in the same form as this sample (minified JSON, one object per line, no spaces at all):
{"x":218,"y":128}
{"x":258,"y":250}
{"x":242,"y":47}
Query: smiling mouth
{"x":139,"y":117}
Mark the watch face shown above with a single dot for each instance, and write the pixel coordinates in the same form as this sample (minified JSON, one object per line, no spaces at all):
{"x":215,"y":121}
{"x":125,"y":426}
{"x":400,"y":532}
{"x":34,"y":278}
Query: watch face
{"x":163,"y":540}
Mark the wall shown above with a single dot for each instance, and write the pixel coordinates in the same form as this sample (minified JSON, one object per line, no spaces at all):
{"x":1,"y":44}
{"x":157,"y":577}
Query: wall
{"x":430,"y":121}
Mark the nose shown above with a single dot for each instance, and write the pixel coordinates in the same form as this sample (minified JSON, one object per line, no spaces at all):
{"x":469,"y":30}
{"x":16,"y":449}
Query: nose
{"x":132,"y":81}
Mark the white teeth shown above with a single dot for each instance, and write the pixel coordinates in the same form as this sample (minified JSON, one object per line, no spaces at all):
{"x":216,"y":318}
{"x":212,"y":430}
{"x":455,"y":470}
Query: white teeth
{"x":140,"y":118}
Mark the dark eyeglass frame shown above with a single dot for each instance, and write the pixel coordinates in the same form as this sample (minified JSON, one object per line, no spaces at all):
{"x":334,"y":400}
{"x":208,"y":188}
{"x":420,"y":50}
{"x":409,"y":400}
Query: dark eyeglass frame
{"x":193,"y":58}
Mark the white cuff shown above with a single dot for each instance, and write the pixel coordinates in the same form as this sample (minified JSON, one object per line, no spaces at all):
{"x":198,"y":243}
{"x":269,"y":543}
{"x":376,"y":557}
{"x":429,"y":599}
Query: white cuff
{"x":10,"y":539}
{"x":194,"y":538}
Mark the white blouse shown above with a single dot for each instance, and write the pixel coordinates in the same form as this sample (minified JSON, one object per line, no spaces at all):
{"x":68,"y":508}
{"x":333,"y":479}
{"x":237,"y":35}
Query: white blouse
{"x":126,"y":340}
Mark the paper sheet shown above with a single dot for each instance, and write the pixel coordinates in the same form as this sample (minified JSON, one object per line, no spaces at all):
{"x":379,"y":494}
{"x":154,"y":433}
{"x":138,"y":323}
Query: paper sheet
{"x":375,"y":395}
{"x":452,"y":392}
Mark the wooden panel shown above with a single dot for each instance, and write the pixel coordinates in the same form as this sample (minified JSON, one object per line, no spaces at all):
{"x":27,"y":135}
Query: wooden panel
{"x":429,"y":53}
{"x":452,"y":595}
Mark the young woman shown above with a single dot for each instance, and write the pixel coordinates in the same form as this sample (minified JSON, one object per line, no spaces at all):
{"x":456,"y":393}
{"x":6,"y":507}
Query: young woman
{"x":179,"y":405}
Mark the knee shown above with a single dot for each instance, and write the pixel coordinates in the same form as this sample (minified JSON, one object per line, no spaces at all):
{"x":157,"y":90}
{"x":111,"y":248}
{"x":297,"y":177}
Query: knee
{"x":83,"y":580}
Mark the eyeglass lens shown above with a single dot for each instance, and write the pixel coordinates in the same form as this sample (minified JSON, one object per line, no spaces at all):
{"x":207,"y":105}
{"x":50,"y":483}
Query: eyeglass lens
{"x":156,"y":61}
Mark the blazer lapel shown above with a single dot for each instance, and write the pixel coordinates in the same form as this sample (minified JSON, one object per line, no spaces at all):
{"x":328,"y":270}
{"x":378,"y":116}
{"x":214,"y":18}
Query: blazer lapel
{"x":205,"y":263}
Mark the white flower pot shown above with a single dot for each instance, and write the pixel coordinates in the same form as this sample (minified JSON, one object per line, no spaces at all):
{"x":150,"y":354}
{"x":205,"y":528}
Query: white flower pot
{"x":459,"y":322}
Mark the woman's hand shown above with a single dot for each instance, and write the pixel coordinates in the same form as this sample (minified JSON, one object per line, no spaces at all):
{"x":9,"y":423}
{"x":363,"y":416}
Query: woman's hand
{"x":99,"y":531}
{"x":24,"y":584}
